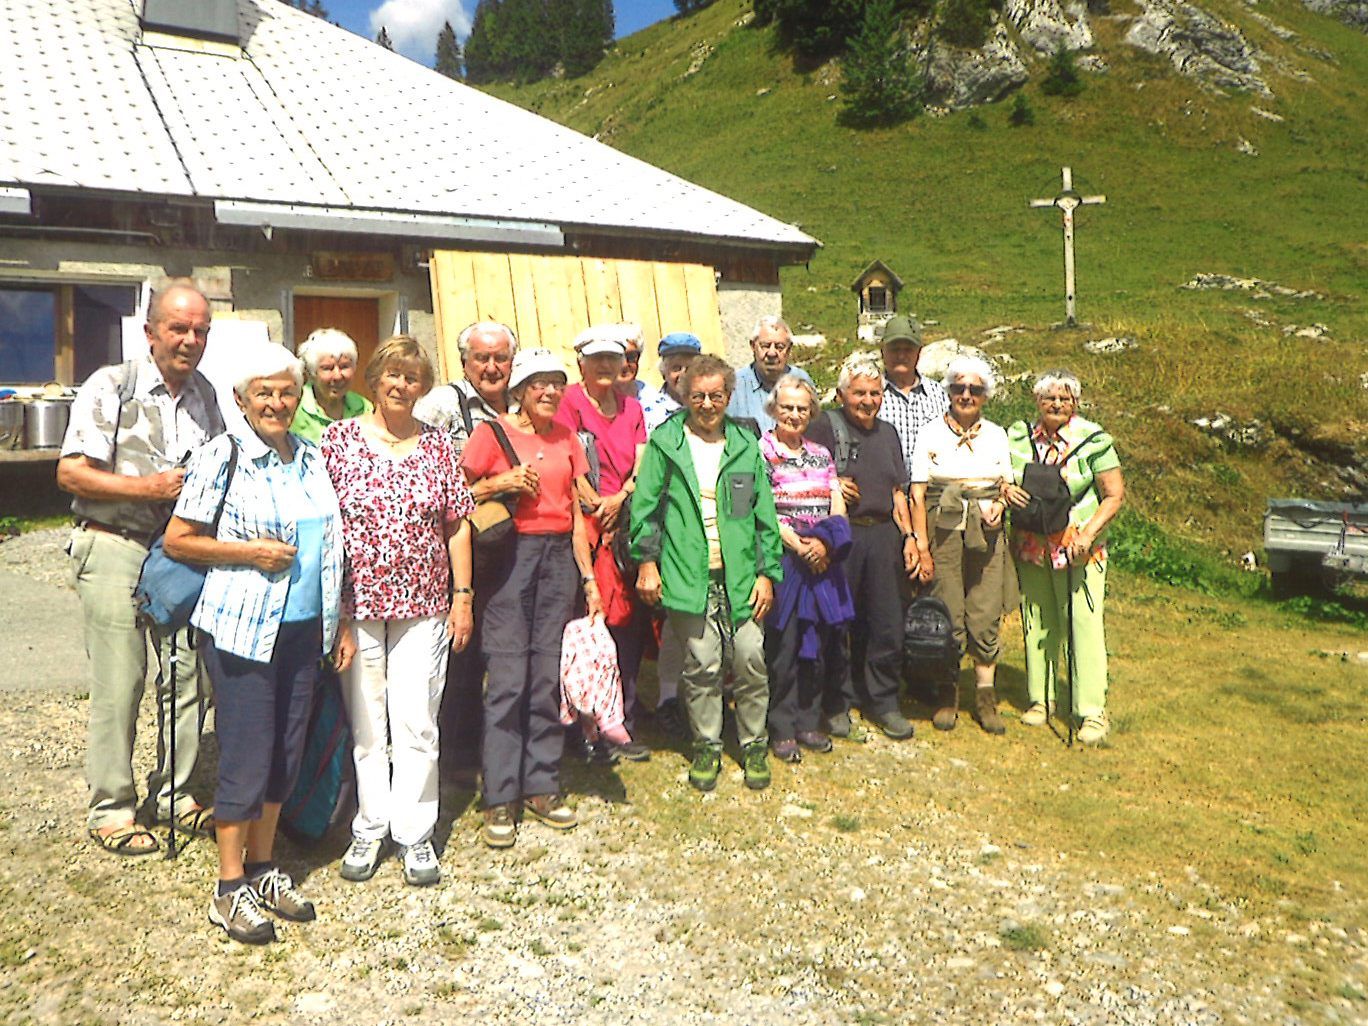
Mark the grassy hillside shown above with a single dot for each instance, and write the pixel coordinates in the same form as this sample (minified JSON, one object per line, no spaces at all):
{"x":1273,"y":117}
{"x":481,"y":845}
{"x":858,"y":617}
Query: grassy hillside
{"x":943,"y":200}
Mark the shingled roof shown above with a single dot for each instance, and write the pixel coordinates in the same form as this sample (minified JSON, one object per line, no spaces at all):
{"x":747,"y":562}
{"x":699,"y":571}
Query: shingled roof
{"x":315,"y":123}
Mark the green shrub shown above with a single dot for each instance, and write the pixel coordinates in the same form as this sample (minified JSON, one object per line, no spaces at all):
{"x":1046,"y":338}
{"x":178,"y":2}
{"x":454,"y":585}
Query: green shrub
{"x":1143,"y":547}
{"x":976,"y":122}
{"x":964,"y":23}
{"x":1063,"y":78}
{"x":1021,"y":112}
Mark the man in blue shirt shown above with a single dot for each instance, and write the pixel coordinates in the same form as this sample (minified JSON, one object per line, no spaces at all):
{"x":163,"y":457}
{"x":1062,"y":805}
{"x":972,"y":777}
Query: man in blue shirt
{"x":771,"y":342}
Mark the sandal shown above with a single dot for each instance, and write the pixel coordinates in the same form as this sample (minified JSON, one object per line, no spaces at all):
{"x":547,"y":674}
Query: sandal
{"x":196,"y":820}
{"x":121,"y":840}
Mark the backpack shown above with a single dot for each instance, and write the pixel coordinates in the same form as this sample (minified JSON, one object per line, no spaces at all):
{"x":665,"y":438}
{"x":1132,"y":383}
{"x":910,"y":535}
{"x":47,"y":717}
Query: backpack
{"x":1047,"y":511}
{"x":325,"y":790}
{"x":929,"y":646}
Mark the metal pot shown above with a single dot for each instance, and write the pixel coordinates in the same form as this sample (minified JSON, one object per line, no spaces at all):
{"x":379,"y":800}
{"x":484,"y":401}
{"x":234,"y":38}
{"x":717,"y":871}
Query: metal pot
{"x":11,"y":424}
{"x":45,"y":422}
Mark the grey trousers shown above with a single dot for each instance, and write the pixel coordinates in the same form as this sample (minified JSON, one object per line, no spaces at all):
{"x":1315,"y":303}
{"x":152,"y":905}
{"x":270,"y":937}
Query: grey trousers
{"x":532,"y":601}
{"x":700,"y":683}
{"x":874,"y":569}
{"x":104,"y":571}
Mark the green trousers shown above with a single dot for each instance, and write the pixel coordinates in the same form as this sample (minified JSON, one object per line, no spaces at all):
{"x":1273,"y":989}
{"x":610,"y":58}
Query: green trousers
{"x":1045,"y":599}
{"x":104,"y":571}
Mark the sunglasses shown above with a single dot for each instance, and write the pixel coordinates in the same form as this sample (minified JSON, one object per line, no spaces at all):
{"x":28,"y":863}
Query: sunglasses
{"x":959,"y":388}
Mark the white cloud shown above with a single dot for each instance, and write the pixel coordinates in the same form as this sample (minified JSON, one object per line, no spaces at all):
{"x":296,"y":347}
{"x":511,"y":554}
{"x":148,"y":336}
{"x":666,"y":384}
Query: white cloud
{"x":414,"y":24}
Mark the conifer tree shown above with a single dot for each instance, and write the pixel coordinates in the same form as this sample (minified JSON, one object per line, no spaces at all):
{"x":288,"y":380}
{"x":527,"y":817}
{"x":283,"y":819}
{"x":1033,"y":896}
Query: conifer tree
{"x":479,"y":49}
{"x":383,"y":39}
{"x":448,"y":60}
{"x":879,"y":85}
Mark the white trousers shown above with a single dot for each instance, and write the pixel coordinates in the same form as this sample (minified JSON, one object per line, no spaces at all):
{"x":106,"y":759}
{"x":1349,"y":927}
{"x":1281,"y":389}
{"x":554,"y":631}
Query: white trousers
{"x":392,"y":691}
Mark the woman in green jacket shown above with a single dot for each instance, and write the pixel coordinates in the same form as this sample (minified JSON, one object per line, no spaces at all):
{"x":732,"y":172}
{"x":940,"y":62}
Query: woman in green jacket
{"x":329,"y":356}
{"x":704,"y":529}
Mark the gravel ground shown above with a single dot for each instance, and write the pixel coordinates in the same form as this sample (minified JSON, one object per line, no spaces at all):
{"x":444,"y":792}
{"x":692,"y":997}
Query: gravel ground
{"x":873,"y":902}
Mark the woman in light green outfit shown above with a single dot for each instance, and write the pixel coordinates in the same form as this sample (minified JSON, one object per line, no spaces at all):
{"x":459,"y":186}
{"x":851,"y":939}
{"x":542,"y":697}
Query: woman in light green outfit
{"x":1069,"y":568}
{"x":329,"y":357}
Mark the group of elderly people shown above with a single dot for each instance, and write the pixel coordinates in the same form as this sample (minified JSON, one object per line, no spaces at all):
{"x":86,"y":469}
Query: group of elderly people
{"x":764,"y":548}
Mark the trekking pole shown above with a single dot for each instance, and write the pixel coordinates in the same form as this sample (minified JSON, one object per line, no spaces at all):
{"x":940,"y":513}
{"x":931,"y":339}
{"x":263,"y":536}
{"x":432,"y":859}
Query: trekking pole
{"x":1070,"y":663}
{"x":171,"y":748}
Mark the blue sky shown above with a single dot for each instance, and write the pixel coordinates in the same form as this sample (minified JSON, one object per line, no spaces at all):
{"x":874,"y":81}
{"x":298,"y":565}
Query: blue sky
{"x":413,"y":24}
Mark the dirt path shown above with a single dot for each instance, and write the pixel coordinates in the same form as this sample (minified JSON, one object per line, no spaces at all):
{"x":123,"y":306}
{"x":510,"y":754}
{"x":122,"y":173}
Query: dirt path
{"x":850,"y":892}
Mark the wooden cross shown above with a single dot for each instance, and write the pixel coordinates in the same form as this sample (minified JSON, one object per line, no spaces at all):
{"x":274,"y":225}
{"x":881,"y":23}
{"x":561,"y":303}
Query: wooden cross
{"x":1068,"y":201}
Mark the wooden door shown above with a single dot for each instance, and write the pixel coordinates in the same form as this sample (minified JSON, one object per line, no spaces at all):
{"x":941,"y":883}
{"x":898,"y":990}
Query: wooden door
{"x":359,"y":318}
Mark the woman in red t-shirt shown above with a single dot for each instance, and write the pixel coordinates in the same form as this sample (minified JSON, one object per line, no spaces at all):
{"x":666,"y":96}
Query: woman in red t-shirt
{"x":532,"y":597}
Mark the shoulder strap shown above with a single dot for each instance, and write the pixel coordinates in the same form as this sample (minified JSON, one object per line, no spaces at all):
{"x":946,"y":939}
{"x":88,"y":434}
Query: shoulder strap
{"x":841,"y":430}
{"x":504,"y":443}
{"x":1070,"y":454}
{"x":223,"y":499}
{"x":128,"y":383}
{"x":463,"y":406}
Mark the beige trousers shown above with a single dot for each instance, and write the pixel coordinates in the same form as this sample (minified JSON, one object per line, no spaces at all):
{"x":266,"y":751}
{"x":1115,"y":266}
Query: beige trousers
{"x":104,"y":571}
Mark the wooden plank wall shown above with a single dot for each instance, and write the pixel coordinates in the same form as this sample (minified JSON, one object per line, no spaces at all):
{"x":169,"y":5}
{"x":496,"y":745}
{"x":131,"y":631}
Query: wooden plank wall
{"x":548,"y":300}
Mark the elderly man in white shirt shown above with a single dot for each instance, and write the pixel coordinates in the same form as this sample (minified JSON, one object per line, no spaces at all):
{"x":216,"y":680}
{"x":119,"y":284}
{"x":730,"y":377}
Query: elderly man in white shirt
{"x":132,"y":428}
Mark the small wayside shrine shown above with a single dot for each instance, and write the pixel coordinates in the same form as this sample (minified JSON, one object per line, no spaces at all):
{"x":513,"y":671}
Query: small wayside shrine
{"x":877,"y":290}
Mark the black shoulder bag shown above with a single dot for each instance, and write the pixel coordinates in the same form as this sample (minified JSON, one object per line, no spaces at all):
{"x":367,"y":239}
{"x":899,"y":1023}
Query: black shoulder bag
{"x":1047,"y":511}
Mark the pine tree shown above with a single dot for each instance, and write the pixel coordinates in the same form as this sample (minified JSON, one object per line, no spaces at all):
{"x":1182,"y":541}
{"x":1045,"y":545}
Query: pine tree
{"x":689,"y":6}
{"x":448,"y":60}
{"x":588,"y":36}
{"x":879,"y":85}
{"x":814,"y":29}
{"x":1063,"y":78}
{"x":314,"y":7}
{"x":383,"y":39}
{"x":479,"y":49}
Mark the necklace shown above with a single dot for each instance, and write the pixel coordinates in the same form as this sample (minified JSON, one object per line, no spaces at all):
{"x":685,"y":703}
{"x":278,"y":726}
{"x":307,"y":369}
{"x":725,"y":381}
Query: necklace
{"x":531,"y":429}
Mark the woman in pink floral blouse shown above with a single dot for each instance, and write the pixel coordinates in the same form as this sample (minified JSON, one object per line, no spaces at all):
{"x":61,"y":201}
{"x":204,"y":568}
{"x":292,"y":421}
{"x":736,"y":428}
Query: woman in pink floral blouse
{"x":404,"y":506}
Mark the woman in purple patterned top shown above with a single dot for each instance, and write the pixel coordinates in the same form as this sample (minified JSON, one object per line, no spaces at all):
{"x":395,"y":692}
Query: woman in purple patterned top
{"x":803,"y":636}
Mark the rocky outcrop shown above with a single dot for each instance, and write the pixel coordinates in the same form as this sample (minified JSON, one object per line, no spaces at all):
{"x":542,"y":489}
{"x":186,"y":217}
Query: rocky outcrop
{"x":1199,"y":45}
{"x":1352,"y":12}
{"x":1046,"y":25}
{"x":957,"y":79}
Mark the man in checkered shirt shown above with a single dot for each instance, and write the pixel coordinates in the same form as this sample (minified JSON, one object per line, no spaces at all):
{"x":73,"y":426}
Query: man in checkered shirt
{"x":910,"y":400}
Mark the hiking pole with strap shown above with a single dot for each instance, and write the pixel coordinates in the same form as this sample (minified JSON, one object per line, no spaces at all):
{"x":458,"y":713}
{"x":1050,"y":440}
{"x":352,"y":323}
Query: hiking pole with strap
{"x":1070,"y":663}
{"x":173,"y":659}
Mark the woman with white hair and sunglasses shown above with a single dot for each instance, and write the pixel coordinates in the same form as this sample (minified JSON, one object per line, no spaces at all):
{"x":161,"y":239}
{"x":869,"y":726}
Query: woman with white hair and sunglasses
{"x":268,"y":610}
{"x":329,"y":356}
{"x":959,"y":467}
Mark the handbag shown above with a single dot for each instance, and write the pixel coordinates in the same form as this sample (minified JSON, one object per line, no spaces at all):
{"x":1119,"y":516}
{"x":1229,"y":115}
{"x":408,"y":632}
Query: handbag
{"x":168,"y":589}
{"x":492,"y":520}
{"x":1047,"y":510}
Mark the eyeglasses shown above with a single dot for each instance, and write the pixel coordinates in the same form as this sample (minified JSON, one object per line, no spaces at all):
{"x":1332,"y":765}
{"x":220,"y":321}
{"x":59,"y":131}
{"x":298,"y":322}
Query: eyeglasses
{"x":699,"y":398}
{"x":959,"y":388}
{"x":546,"y":386}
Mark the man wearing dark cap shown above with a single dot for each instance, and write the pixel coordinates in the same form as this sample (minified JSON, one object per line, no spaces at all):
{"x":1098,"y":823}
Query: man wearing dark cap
{"x":677,"y":351}
{"x":910,"y":400}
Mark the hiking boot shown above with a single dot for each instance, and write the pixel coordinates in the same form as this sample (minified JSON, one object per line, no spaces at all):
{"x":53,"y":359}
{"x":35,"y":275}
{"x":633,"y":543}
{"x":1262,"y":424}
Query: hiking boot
{"x":632,"y":751}
{"x":755,"y":761}
{"x":601,"y":753}
{"x":500,"y":828}
{"x":986,"y":707}
{"x":672,"y":721}
{"x":275,"y":892}
{"x":814,"y":740}
{"x":947,"y":707}
{"x":1094,"y":730}
{"x":894,"y":724}
{"x":787,"y":751}
{"x":421,"y":868}
{"x":551,"y":810}
{"x":1035,"y":716}
{"x":240,"y":916}
{"x":838,"y":724}
{"x":362,"y":858}
{"x":707,"y":764}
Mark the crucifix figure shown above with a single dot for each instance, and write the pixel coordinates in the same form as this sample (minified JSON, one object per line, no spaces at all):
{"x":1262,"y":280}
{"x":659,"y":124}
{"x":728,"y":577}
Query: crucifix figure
{"x":1068,"y":201}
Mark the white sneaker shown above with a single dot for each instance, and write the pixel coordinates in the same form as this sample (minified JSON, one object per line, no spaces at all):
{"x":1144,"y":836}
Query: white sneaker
{"x":1094,"y":730}
{"x":421,"y":868}
{"x":362,"y":858}
{"x":1035,"y":716}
